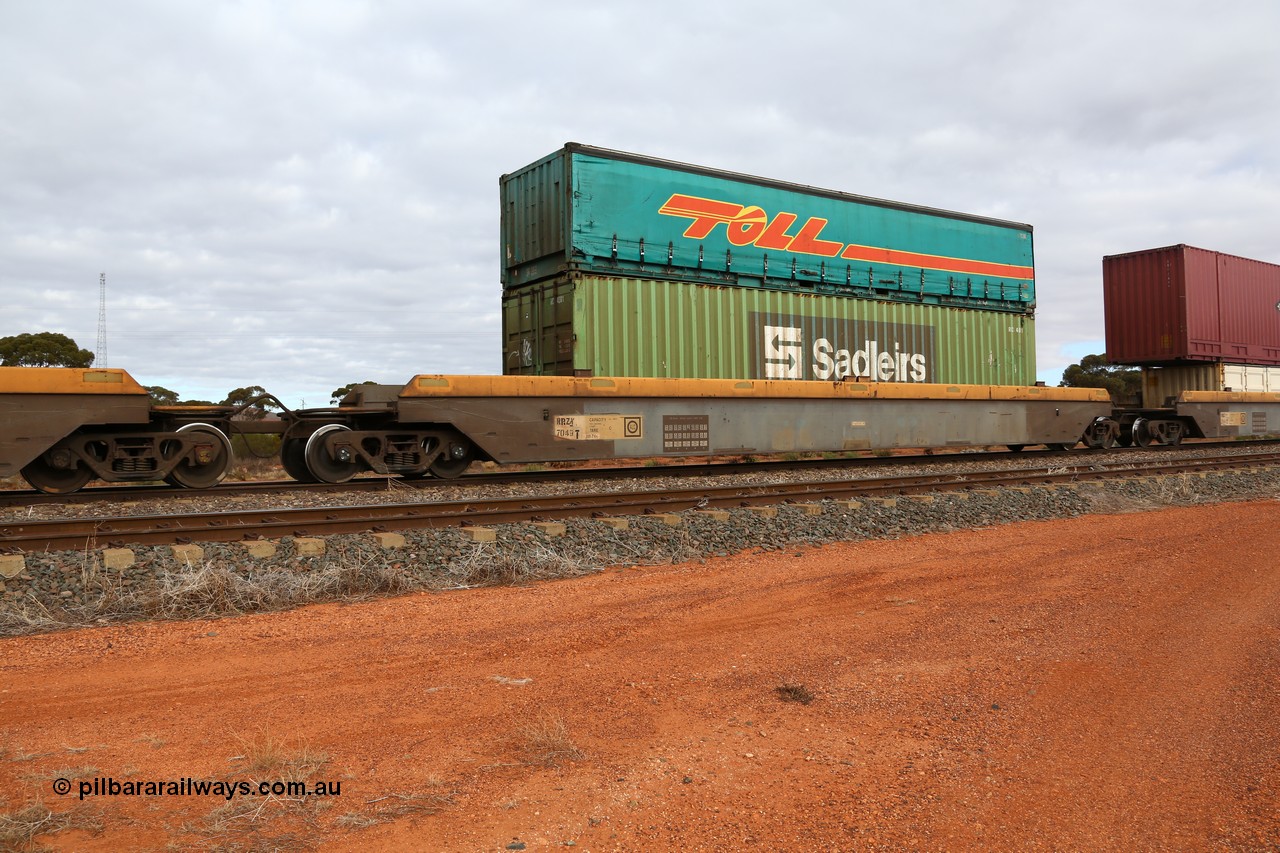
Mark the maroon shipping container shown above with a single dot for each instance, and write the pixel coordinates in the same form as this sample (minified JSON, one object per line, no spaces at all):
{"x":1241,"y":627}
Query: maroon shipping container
{"x":1181,"y":303}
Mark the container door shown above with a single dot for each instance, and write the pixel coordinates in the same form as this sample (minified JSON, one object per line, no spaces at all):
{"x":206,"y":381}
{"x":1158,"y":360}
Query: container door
{"x":538,"y":330}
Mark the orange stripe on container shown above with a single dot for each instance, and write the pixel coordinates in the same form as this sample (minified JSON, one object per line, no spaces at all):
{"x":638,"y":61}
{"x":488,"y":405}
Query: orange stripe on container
{"x":876,"y":254}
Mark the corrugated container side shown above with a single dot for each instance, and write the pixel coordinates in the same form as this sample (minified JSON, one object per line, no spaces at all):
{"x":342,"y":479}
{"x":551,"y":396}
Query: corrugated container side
{"x":535,"y":224}
{"x":1182,"y":303}
{"x":608,"y":326}
{"x":1201,"y":304}
{"x":1249,"y":305}
{"x":603,"y":212}
{"x":1162,"y":384}
{"x":1143,"y":296}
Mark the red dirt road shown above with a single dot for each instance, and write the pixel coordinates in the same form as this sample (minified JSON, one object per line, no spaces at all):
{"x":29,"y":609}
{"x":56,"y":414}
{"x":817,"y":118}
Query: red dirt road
{"x":1102,"y":683}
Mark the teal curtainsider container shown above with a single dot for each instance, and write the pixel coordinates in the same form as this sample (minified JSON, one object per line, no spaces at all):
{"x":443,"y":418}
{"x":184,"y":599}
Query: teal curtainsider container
{"x":596,"y":211}
{"x":590,"y":325}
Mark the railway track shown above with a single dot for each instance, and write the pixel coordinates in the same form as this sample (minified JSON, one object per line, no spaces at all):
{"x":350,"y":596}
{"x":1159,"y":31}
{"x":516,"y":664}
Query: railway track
{"x":31,"y":497}
{"x":92,"y":494}
{"x":79,"y":533}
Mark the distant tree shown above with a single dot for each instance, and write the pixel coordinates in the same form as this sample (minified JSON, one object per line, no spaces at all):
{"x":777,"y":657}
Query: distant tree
{"x":336,"y":396}
{"x":43,"y":349}
{"x":241,"y":396}
{"x":1093,"y":371}
{"x":162,"y":396}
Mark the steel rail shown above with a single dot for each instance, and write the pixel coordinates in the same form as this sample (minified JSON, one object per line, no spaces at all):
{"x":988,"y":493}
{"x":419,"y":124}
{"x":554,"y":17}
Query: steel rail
{"x":92,"y":494}
{"x":374,"y":482}
{"x":75,"y":534}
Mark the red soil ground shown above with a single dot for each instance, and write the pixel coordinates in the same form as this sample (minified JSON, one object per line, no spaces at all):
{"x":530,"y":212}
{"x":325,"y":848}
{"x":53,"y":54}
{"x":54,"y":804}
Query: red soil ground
{"x":1102,"y":683}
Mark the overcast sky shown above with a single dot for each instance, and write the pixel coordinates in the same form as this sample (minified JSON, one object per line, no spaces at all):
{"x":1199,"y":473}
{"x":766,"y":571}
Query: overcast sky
{"x":300,"y":195}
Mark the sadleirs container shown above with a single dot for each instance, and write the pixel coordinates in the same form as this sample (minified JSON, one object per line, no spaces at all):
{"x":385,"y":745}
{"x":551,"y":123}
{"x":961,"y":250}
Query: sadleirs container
{"x":1180,"y":303}
{"x":1160,"y":385}
{"x":589,"y":325}
{"x":608,"y":213}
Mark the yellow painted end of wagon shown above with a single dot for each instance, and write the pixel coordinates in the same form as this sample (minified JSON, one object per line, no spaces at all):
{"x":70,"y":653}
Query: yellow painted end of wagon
{"x":1228,"y":397}
{"x":67,"y":380}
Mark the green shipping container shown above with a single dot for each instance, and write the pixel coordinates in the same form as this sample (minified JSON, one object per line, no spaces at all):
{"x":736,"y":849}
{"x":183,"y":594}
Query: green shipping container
{"x":601,"y":212}
{"x":584,"y":325}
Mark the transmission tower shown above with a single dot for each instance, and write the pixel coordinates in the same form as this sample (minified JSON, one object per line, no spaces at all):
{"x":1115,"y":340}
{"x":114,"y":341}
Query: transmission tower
{"x":100,"y":359}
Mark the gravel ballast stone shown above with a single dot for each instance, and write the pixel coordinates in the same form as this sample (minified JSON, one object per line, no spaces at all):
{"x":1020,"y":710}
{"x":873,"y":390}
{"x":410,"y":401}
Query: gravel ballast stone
{"x":63,"y":589}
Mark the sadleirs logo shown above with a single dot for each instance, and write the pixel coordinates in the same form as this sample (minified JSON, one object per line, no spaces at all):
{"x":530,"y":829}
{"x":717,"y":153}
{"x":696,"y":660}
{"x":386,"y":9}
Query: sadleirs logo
{"x":882,"y":352}
{"x":783,"y":352}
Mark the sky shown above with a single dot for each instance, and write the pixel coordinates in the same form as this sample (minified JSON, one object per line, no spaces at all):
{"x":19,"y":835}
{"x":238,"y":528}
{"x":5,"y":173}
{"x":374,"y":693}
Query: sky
{"x":299,"y":195}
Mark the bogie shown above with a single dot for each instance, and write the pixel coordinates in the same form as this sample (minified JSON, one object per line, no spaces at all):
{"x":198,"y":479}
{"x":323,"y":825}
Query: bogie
{"x":195,"y":456}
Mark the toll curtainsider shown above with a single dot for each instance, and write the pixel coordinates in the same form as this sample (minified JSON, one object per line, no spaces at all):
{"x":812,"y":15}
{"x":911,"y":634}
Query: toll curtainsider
{"x":591,"y":210}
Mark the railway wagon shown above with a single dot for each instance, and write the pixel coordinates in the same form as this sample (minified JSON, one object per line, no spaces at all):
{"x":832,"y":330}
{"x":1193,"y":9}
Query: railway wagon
{"x":62,"y":427}
{"x":439,"y":424}
{"x":1199,"y":414}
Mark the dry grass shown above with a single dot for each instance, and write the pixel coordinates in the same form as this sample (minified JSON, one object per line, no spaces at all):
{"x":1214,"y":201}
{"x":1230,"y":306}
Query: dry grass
{"x":355,"y":820}
{"x":17,"y":753}
{"x":284,"y":758}
{"x":1112,"y":503}
{"x":545,"y":741}
{"x":209,"y":590}
{"x":151,"y":740}
{"x":394,"y":806}
{"x":794,"y":693}
{"x":249,"y":823}
{"x":214,"y":589}
{"x":19,"y":829}
{"x":71,"y":773}
{"x":411,"y":805}
{"x":488,"y":566}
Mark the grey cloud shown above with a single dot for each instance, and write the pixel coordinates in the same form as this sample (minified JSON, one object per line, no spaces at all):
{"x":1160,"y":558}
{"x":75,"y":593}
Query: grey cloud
{"x":303,"y":195}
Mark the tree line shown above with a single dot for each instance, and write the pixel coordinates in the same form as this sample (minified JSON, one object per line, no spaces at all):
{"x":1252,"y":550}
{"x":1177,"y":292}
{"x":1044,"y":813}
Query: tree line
{"x":53,"y":349}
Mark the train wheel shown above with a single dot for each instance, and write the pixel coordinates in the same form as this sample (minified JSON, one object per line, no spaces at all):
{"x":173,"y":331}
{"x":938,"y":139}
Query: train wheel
{"x":1168,"y":433}
{"x":453,"y":461}
{"x":1015,"y":448}
{"x":324,"y":467}
{"x":1062,"y":446}
{"x":1102,"y":434}
{"x":294,"y":460}
{"x":209,"y":466}
{"x":55,"y":481}
{"x":1142,"y":433}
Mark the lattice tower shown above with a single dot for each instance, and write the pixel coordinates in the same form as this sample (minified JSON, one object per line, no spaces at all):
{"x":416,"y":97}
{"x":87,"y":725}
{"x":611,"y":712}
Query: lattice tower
{"x":100,"y":357}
